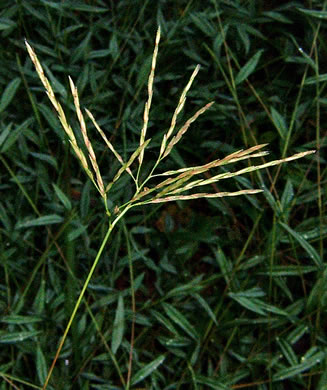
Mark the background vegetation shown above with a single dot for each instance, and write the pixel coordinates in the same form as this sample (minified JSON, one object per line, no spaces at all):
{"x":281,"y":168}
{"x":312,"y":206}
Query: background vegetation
{"x":230,"y":293}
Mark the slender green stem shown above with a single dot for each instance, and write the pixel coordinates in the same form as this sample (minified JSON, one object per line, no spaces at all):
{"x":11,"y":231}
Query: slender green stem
{"x":81,"y":295}
{"x":131,"y":274}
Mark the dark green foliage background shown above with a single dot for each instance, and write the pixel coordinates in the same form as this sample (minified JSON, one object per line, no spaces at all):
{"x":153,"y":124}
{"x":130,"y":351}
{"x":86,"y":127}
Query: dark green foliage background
{"x":230,"y":293}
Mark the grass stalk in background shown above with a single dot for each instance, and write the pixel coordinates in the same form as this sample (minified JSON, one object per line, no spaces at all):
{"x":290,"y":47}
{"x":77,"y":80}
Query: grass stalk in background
{"x":169,"y":189}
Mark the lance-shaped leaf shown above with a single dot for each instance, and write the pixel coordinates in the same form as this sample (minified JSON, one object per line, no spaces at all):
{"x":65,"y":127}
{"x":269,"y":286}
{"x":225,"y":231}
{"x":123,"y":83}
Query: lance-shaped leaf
{"x":9,"y":93}
{"x":296,"y":369}
{"x":128,"y":164}
{"x":119,"y":325}
{"x":248,"y":68}
{"x":179,"y":318}
{"x":147,"y":370}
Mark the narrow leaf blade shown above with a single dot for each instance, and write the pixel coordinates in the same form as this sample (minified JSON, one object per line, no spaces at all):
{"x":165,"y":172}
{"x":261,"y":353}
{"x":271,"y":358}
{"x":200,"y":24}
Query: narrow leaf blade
{"x":9,"y":93}
{"x":248,"y":68}
{"x":180,"y":320}
{"x":119,"y":325}
{"x":147,"y":370}
{"x":41,"y":221}
{"x":62,"y":197}
{"x":312,"y":253}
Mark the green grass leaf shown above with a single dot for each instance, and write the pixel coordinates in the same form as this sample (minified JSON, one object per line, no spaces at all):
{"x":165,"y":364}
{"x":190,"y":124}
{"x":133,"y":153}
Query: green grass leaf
{"x":16,"y":319}
{"x":320,"y":14}
{"x":309,"y":249}
{"x":296,"y":369}
{"x":9,"y":93}
{"x":6,"y":23}
{"x":248,"y":68}
{"x":17,"y":337}
{"x":147,"y":370}
{"x":279,"y":122}
{"x":41,"y":221}
{"x":119,"y":325}
{"x":180,"y":320}
{"x":62,"y":197}
{"x":41,"y":365}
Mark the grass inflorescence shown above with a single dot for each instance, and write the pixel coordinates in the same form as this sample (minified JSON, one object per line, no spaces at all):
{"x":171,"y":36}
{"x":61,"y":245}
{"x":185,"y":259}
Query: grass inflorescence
{"x":167,"y":189}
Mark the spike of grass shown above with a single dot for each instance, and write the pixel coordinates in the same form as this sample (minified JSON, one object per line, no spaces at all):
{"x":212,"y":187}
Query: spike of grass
{"x":87,"y":142}
{"x":183,"y":130}
{"x":150,"y":94}
{"x":203,"y":195}
{"x":178,"y":109}
{"x":61,"y":115}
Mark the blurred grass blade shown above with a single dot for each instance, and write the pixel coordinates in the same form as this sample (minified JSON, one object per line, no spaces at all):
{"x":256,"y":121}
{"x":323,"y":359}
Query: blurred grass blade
{"x":41,"y":365}
{"x":252,"y":304}
{"x":85,"y":8}
{"x":248,"y":68}
{"x":311,"y":252}
{"x":289,"y":270}
{"x":314,"y":13}
{"x":41,"y":221}
{"x":286,"y":199}
{"x":316,"y":79}
{"x":162,"y":319}
{"x":206,"y":307}
{"x":297,"y":333}
{"x":212,"y":383}
{"x":119,"y":325}
{"x":17,"y":337}
{"x":4,"y":134}
{"x":225,"y":264}
{"x":180,"y":320}
{"x":203,"y":23}
{"x":147,"y":370}
{"x":191,"y":287}
{"x":287,"y":351}
{"x":9,"y":93}
{"x":47,"y":158}
{"x":297,"y":369}
{"x":279,"y":123}
{"x":6,"y":23}
{"x":16,"y":319}
{"x":62,"y":197}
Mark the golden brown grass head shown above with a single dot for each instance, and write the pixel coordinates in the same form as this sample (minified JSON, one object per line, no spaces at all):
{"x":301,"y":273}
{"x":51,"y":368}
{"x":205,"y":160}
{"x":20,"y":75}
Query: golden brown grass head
{"x":178,"y":181}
